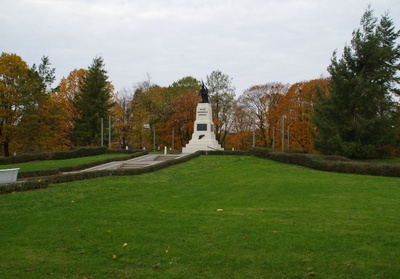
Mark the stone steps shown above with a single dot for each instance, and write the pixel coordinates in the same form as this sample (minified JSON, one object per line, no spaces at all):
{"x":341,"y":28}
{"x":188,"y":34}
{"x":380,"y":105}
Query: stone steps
{"x":166,"y":157}
{"x":133,"y":165}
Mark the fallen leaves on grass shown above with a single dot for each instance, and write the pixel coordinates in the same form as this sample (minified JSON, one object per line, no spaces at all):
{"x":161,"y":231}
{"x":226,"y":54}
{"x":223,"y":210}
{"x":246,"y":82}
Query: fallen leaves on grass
{"x":311,"y":272}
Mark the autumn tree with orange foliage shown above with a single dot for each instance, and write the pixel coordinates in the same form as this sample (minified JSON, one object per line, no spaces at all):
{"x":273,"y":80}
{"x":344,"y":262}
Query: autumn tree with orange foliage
{"x":259,"y":104}
{"x":180,"y":111}
{"x":13,"y":73}
{"x":63,"y":99}
{"x":297,"y":108}
{"x":122,"y":113}
{"x":241,"y":128}
{"x":145,"y":112}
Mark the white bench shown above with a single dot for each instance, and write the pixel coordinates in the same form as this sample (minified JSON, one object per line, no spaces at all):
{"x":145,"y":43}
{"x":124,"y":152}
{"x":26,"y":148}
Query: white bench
{"x":8,"y":175}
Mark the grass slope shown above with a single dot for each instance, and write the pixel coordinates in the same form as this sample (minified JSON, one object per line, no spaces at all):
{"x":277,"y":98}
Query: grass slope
{"x":278,"y":221}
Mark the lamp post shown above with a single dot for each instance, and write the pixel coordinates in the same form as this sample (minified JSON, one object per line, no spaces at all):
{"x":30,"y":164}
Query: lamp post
{"x":254,"y":131}
{"x":273,"y":138}
{"x":109,"y":132}
{"x":173,"y":139}
{"x":102,"y":132}
{"x":283,"y":133}
{"x":154,"y":138}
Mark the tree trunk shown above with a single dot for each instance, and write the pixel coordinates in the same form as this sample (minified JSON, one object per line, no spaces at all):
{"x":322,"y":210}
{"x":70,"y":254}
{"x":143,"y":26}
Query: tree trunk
{"x":6,"y":149}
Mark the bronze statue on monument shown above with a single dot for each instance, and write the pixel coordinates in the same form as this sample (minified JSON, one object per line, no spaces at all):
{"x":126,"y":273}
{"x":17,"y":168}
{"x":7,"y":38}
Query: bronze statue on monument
{"x":204,"y":93}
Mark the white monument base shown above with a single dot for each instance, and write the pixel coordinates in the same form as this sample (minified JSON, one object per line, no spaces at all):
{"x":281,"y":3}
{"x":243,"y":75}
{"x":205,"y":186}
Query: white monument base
{"x":203,"y":137}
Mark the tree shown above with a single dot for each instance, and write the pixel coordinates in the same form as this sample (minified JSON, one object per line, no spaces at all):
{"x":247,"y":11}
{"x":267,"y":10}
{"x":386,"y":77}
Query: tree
{"x":38,"y":123}
{"x":122,"y":112}
{"x":180,"y":112}
{"x":222,"y":96}
{"x":242,"y":125}
{"x":13,"y":75}
{"x":146,"y":109}
{"x":261,"y":102}
{"x":297,"y":106}
{"x":358,"y":118}
{"x":64,"y":97}
{"x":92,"y":104}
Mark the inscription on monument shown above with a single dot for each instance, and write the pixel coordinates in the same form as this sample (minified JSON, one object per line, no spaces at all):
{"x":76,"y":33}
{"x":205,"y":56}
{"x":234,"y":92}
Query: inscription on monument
{"x":202,"y":112}
{"x":201,"y":127}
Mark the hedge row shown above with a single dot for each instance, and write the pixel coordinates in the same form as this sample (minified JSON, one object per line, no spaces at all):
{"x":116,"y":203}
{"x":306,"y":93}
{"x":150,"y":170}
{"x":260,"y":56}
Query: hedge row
{"x":74,"y":152}
{"x":61,"y":178}
{"x":225,"y":152}
{"x":54,"y":171}
{"x":329,"y":163}
{"x":57,"y":155}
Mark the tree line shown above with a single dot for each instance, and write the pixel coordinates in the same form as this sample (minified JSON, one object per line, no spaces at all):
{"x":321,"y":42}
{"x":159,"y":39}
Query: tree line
{"x":354,"y":112}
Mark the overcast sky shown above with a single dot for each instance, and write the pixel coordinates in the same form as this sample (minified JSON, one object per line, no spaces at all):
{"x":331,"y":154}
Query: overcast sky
{"x":252,"y":41}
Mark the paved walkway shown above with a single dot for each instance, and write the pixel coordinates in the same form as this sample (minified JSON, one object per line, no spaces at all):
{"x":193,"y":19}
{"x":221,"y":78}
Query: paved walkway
{"x":139,"y":162}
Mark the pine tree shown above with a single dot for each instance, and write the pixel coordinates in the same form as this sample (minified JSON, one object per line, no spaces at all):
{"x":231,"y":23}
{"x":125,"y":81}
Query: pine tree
{"x":93,"y":104}
{"x":357,"y":118}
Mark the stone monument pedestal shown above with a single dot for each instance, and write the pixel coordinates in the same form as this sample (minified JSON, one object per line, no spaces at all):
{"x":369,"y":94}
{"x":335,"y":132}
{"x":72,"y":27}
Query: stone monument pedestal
{"x":203,"y":137}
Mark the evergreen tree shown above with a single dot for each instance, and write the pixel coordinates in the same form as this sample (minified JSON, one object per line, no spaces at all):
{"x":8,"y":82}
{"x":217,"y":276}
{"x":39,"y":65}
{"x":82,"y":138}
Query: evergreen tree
{"x":92,"y":104}
{"x":36,"y":120}
{"x":357,"y":118}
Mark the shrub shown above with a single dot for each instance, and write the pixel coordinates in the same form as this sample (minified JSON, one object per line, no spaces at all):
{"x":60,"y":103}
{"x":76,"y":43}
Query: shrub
{"x":23,"y":158}
{"x":129,"y":151}
{"x":24,"y":186}
{"x":261,"y":152}
{"x":224,"y":152}
{"x":330,"y":163}
{"x":79,"y":152}
{"x":57,"y":155}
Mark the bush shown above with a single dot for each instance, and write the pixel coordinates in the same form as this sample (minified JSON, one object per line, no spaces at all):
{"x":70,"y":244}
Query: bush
{"x":224,"y":152}
{"x":57,"y":155}
{"x":261,"y":152}
{"x":24,"y":186}
{"x":329,"y":163}
{"x":124,"y":151}
{"x":79,"y":152}
{"x":23,"y":158}
{"x":295,"y":151}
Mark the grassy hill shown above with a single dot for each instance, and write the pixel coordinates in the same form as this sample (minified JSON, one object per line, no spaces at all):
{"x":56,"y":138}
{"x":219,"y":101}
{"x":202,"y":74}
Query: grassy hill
{"x":212,"y":217}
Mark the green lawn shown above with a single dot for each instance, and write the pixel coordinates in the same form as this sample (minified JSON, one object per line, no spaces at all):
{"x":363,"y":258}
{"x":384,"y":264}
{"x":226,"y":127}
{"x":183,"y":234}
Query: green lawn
{"x":49,"y":164}
{"x":277,"y":221}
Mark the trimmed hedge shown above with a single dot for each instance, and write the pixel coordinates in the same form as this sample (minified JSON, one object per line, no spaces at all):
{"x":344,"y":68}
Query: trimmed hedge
{"x":45,"y":182}
{"x":328,"y":163}
{"x":24,"y":186}
{"x":224,"y":152}
{"x":57,"y":155}
{"x":54,"y":171}
{"x":75,"y":152}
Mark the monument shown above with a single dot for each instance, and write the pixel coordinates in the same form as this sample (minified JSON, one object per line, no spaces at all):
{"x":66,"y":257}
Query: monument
{"x":203,"y":137}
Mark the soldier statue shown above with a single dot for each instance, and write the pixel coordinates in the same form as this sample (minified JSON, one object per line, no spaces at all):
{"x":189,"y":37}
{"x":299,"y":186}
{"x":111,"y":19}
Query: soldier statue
{"x":204,"y":93}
